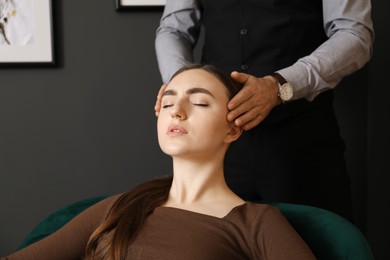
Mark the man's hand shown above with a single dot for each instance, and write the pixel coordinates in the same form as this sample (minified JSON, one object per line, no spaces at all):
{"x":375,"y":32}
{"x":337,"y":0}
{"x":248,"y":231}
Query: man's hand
{"x":254,"y":101}
{"x":157,"y":106}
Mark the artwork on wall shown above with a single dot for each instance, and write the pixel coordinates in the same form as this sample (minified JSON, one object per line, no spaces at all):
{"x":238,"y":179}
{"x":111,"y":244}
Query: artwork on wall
{"x":139,"y":4}
{"x":26,"y":32}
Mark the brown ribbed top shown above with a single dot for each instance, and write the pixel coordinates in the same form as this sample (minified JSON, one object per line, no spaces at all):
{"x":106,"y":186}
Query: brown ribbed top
{"x":248,"y":231}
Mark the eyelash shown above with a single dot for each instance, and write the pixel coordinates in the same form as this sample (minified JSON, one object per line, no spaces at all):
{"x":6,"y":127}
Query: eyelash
{"x":195,"y":104}
{"x":200,"y":104}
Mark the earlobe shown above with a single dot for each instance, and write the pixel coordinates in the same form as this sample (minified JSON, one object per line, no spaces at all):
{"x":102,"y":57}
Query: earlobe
{"x":234,"y":133}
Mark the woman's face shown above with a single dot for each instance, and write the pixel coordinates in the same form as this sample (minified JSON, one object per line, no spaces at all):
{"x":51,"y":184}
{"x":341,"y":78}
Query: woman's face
{"x":192,"y":121}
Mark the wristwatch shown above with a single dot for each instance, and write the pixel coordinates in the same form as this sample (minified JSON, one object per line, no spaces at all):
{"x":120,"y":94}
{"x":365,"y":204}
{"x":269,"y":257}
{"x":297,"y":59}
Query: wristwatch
{"x":286,"y":90}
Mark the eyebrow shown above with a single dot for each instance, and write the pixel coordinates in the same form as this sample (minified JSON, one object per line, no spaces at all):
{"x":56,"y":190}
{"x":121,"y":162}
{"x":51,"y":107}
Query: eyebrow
{"x":171,"y":92}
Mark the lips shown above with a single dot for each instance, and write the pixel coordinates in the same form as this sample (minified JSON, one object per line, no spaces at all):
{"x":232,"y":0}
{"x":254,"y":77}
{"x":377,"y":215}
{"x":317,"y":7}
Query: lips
{"x":175,"y":130}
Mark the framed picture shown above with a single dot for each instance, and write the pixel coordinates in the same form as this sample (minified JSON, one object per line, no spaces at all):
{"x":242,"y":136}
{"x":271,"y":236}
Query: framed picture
{"x":140,"y":4}
{"x":26,"y":32}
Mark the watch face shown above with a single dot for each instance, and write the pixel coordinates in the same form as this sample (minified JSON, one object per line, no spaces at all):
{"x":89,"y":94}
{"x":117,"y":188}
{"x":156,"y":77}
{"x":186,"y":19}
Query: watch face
{"x":286,"y":92}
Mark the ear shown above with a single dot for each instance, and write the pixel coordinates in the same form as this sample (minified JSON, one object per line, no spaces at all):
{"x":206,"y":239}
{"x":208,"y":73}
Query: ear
{"x":234,"y":133}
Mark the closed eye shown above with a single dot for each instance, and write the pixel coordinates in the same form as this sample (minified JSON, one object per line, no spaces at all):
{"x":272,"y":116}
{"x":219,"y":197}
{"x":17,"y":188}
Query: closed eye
{"x":166,"y":106}
{"x":201,"y":104}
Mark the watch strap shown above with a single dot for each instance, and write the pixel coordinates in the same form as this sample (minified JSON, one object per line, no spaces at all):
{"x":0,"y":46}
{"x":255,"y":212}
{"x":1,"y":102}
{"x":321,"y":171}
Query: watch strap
{"x":279,"y":78}
{"x":285,"y":92}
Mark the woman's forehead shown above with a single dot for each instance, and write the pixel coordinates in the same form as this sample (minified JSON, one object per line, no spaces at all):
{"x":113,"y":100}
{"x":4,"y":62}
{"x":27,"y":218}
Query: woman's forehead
{"x":196,"y":78}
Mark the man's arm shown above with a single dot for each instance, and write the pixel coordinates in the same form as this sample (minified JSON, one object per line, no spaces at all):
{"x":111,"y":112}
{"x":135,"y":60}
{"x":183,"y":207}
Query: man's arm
{"x":349,"y":27}
{"x":177,"y":35}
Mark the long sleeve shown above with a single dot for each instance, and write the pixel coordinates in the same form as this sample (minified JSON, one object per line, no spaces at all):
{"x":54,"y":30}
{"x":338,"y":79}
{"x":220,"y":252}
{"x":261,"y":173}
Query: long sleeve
{"x":349,"y":27}
{"x":177,"y":35}
{"x":273,"y":238}
{"x":70,"y":241}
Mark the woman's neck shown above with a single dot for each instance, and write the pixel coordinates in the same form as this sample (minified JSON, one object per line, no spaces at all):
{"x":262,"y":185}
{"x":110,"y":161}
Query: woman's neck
{"x":201,"y":187}
{"x":195,"y":182}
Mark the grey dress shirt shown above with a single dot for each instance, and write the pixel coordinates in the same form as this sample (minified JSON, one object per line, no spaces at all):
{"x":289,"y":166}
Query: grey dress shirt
{"x":347,"y":23}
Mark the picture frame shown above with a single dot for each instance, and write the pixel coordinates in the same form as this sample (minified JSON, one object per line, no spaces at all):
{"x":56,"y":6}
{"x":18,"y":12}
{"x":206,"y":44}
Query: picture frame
{"x":26,"y":33}
{"x":123,"y":5}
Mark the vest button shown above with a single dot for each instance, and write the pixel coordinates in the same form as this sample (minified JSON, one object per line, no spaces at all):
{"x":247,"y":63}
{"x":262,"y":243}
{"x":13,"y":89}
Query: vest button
{"x":244,"y":67}
{"x":244,"y":31}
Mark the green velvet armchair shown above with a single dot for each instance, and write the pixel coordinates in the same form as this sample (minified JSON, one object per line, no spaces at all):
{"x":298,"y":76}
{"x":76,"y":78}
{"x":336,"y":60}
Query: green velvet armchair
{"x":330,"y":236}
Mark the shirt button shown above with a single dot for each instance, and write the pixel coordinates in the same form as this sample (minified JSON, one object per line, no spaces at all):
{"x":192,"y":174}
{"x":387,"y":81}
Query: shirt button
{"x":244,"y":31}
{"x":244,"y":67}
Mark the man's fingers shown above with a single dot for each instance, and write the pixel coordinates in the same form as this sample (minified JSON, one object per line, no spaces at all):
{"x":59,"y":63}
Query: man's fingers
{"x":241,"y":97}
{"x":252,"y":103}
{"x":157,"y":105}
{"x":249,"y":120}
{"x":253,"y":123}
{"x":161,"y":91}
{"x":247,"y":117}
{"x":240,"y":109}
{"x":240,"y":77}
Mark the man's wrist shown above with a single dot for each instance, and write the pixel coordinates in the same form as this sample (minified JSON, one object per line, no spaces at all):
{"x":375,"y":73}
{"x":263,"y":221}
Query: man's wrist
{"x":275,"y":86}
{"x":286,"y":90}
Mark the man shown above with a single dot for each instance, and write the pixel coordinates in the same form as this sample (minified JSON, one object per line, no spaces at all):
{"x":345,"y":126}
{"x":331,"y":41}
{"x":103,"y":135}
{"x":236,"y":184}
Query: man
{"x":289,"y":55}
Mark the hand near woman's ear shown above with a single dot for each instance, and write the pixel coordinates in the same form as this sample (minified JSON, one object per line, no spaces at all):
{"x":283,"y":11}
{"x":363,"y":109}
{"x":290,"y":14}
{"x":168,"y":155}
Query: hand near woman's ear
{"x":254,"y":101}
{"x":157,"y":106}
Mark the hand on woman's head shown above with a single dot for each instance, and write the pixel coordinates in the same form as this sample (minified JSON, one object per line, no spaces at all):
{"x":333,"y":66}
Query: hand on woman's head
{"x":157,"y":105}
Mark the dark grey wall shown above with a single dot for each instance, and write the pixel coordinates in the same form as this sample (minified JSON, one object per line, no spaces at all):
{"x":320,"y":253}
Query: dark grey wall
{"x":363,"y":107}
{"x":84,"y":128}
{"x":351,"y":108}
{"x":378,"y":141}
{"x":87,"y":127}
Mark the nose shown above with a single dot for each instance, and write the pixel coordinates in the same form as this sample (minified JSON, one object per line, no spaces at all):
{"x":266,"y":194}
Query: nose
{"x":178,"y":111}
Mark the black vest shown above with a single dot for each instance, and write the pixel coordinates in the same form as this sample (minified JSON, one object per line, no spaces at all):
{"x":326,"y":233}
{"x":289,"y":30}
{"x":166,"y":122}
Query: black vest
{"x":260,"y":36}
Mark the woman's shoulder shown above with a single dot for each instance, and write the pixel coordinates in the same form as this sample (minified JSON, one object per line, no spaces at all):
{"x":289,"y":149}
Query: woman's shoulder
{"x":105,"y":204}
{"x":97,"y":211}
{"x":251,"y":212}
{"x":107,"y":200}
{"x":257,"y":208}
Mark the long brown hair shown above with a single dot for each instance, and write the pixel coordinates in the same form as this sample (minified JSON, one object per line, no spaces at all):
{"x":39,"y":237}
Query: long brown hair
{"x":129,"y":212}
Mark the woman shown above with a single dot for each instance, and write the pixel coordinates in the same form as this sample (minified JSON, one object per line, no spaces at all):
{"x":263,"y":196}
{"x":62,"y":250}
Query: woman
{"x":191,"y":215}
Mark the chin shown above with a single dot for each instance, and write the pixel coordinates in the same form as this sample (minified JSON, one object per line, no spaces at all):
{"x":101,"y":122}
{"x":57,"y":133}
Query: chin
{"x":174,"y":151}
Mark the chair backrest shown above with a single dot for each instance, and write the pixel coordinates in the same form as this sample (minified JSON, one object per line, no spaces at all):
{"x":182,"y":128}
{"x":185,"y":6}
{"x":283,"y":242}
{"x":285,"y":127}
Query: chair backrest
{"x":330,"y":236}
{"x":58,"y":219}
